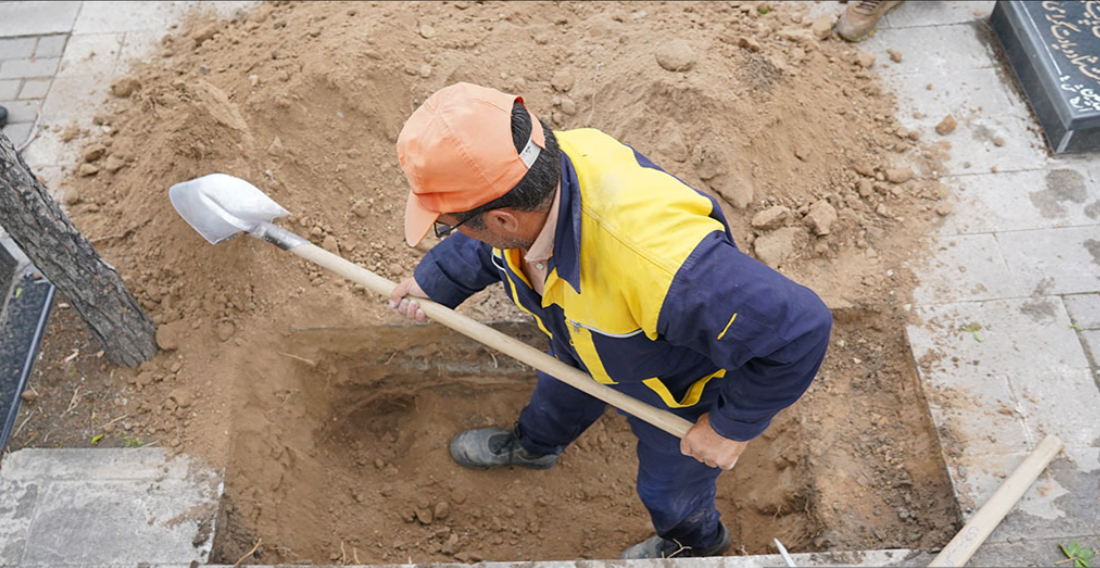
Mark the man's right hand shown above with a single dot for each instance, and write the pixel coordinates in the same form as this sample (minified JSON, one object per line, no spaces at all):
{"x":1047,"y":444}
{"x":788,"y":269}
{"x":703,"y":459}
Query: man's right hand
{"x":405,"y":306}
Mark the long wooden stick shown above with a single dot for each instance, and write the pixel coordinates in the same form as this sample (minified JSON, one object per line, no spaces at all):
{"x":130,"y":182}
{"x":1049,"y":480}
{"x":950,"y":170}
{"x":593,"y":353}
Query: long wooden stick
{"x":981,"y":525}
{"x":576,"y":378}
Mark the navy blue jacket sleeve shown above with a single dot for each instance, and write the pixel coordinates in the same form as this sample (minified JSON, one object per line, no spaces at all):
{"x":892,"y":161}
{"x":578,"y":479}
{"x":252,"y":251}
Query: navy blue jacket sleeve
{"x":455,"y":269}
{"x":767,"y":331}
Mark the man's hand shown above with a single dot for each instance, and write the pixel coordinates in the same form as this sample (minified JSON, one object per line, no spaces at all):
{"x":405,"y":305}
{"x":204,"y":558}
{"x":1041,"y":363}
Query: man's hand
{"x":705,"y":445}
{"x":404,"y":306}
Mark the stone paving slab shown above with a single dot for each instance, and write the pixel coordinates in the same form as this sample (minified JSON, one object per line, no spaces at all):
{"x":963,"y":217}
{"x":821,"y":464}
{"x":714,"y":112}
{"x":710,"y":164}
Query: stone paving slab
{"x":1025,"y":200}
{"x":1084,"y":310}
{"x":1091,"y":341}
{"x":144,"y":523}
{"x":9,"y":89}
{"x":985,"y":110}
{"x":1063,"y":403}
{"x":37,"y":18}
{"x":917,"y":14}
{"x":91,"y":55}
{"x":126,"y":16}
{"x":1060,"y":504}
{"x":1018,"y":336}
{"x":86,"y":507}
{"x":1054,"y":261}
{"x":17,"y":47}
{"x":26,"y":68}
{"x":35,"y":464}
{"x":18,"y":132}
{"x":17,"y":505}
{"x":51,"y":46}
{"x":981,"y":415}
{"x":35,"y":89}
{"x":964,"y":268}
{"x":935,"y":50}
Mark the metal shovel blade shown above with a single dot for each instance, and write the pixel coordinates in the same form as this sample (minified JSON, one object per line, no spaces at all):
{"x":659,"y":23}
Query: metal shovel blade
{"x":219,"y":206}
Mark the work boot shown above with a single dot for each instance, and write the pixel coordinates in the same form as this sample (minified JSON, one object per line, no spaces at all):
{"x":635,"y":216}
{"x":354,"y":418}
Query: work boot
{"x":494,"y":447}
{"x":859,"y":20}
{"x":3,"y":116}
{"x":658,"y":547}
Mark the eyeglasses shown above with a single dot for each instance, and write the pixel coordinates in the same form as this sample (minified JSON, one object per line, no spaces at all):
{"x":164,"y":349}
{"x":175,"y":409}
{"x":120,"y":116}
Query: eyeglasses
{"x":442,"y":230}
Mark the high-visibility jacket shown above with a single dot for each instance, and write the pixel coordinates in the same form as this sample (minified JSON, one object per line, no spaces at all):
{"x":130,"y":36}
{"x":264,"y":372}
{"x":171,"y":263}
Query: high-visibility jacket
{"x":647,"y":291}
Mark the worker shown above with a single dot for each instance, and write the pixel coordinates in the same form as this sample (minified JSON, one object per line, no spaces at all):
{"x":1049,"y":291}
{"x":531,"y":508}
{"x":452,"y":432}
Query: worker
{"x":634,"y":278}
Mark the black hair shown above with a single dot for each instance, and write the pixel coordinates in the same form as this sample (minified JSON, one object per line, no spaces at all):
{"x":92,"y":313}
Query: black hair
{"x":537,"y":187}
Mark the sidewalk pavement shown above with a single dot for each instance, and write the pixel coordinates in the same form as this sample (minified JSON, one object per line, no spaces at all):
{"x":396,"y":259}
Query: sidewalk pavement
{"x":1019,"y":257}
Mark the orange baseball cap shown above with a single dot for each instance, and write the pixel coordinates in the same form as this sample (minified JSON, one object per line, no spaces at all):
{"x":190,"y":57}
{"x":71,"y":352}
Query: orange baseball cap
{"x":457,"y":152}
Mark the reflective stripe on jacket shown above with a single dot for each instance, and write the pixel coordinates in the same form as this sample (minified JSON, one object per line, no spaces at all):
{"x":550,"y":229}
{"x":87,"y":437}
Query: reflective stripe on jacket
{"x":647,"y":291}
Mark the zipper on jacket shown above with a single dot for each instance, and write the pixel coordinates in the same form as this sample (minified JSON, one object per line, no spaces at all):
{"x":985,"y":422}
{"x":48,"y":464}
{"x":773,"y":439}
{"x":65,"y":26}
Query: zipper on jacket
{"x":578,"y":325}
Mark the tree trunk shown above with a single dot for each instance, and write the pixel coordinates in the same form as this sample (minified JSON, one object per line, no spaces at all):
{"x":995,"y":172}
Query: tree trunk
{"x":63,"y":255}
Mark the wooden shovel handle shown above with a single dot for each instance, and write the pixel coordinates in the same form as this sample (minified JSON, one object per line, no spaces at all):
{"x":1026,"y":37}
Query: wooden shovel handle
{"x":572,"y":376}
{"x":981,"y":525}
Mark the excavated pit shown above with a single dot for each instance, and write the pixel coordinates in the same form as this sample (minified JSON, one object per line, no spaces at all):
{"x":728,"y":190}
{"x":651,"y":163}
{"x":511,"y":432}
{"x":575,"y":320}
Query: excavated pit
{"x":342,"y":456}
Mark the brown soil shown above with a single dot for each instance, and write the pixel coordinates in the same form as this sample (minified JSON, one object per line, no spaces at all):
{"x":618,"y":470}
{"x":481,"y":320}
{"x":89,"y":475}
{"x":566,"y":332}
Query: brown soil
{"x":333,"y":425}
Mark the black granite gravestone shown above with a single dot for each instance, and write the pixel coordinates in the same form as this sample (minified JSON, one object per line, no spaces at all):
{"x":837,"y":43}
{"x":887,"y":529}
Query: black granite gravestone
{"x":25,"y":302}
{"x":1054,"y":49}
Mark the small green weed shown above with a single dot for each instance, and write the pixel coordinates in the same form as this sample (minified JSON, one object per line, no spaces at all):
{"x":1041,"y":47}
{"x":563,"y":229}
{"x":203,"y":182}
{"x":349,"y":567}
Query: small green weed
{"x":97,"y":439}
{"x":973,"y":328}
{"x":1076,"y":554}
{"x":132,"y":442}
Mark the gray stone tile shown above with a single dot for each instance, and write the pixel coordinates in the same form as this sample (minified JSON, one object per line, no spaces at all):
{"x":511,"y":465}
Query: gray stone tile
{"x":9,"y":89}
{"x":146,"y":523}
{"x":17,"y":133}
{"x":51,"y":46}
{"x":938,"y":50}
{"x":1084,"y":310}
{"x":980,"y":414}
{"x":1060,"y":402}
{"x":1061,"y":502}
{"x":35,"y":88}
{"x":17,"y":48}
{"x":20,"y":111}
{"x":1026,"y":552}
{"x":914,"y":14}
{"x":139,"y":45}
{"x":147,"y":464}
{"x":964,"y":268}
{"x":91,"y":55}
{"x":28,"y":68}
{"x":47,"y":149}
{"x":986,"y":111}
{"x":123,"y":16}
{"x":75,"y":100}
{"x":36,"y":18}
{"x":1091,"y":339}
{"x":1054,"y":261}
{"x":18,"y":501}
{"x":1017,"y":201}
{"x":1018,"y":336}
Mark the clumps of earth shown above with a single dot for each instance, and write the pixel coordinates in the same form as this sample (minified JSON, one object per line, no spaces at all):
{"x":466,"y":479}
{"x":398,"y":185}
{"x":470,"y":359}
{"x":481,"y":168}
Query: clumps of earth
{"x":754,"y":102}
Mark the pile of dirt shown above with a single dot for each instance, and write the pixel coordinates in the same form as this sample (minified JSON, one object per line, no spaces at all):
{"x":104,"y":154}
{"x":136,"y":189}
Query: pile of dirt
{"x":758,"y":106}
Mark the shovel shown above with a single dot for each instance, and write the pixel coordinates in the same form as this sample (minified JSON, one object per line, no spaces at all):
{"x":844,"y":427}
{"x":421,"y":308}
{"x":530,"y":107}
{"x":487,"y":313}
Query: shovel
{"x":219,"y":206}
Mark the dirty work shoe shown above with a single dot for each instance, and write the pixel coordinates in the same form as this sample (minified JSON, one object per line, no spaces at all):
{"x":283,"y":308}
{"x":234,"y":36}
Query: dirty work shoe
{"x":3,"y":116}
{"x":658,"y":547}
{"x":494,"y":447}
{"x":859,"y":21}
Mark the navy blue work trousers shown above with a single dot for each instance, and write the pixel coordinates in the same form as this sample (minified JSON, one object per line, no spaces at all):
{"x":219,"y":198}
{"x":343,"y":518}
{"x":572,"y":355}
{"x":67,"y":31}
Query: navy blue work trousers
{"x":677,"y":490}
